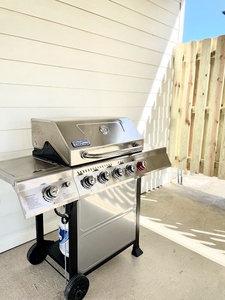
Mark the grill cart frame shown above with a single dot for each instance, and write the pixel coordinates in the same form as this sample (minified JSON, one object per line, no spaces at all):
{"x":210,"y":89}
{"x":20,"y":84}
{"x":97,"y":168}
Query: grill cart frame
{"x":78,"y":283}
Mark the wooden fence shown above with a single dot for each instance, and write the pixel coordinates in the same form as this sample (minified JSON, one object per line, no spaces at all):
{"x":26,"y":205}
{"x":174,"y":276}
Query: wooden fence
{"x":197,"y":126}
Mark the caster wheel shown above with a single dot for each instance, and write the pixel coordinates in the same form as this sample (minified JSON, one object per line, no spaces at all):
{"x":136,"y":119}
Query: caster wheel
{"x":36,"y":254}
{"x":76,"y":288}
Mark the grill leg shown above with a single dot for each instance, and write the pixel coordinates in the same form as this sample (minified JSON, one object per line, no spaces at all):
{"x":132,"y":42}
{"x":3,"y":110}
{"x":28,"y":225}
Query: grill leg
{"x":40,"y":232}
{"x":39,"y":229}
{"x":72,"y":211}
{"x":136,"y":248}
{"x":37,"y":253}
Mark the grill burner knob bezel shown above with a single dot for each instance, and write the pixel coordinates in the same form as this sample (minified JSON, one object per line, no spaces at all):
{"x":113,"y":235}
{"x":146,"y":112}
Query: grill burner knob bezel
{"x":88,"y":181}
{"x":117,"y":173}
{"x":50,"y":193}
{"x":104,"y":176}
{"x":141,"y":165}
{"x":130,"y":169}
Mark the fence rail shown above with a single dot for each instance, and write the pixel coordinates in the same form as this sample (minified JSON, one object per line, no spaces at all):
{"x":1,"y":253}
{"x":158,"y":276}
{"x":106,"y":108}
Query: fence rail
{"x":197,"y":126}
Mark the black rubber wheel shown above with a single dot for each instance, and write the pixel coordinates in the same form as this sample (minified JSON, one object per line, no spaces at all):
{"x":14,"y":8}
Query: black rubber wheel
{"x":76,"y":288}
{"x":36,"y":254}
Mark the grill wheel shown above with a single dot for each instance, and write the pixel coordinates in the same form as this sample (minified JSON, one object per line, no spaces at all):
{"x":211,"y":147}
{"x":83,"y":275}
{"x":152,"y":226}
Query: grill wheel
{"x":36,"y":254}
{"x":76,"y":288}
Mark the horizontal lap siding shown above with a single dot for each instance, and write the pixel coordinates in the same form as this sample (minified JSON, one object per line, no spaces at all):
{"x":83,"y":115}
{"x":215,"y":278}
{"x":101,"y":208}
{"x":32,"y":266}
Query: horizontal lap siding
{"x":82,"y":58}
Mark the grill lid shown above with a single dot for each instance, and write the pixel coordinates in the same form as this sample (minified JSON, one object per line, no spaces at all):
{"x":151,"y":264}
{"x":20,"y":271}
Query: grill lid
{"x":79,"y":141}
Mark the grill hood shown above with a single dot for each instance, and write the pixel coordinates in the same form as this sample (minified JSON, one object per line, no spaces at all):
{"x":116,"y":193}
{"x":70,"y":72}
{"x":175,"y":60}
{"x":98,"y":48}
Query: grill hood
{"x":74,"y":142}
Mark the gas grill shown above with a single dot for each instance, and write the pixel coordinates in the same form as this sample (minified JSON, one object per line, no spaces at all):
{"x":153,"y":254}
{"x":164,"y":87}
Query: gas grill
{"x":89,"y":171}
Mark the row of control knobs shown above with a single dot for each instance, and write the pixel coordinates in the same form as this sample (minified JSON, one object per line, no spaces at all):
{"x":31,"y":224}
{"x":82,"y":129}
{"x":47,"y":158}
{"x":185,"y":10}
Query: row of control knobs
{"x":51,"y":192}
{"x":88,"y":181}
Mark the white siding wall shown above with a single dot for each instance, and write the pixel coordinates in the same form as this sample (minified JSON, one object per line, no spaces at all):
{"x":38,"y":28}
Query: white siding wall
{"x":81,"y":58}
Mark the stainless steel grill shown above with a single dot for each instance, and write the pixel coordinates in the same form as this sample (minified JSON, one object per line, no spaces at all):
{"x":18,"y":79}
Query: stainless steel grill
{"x":92,"y":168}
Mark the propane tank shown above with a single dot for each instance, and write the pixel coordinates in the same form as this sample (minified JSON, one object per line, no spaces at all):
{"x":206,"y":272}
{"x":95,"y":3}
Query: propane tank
{"x":64,"y":238}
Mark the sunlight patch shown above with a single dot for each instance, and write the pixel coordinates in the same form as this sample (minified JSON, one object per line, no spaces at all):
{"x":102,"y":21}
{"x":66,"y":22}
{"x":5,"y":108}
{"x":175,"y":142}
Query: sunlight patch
{"x":198,"y":246}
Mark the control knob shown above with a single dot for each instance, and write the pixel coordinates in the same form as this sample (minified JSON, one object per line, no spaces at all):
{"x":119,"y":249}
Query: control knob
{"x":130,"y":169}
{"x":50,"y":193}
{"x":118,"y":172}
{"x":103,"y":177}
{"x":88,"y":181}
{"x":66,"y":184}
{"x":141,"y":165}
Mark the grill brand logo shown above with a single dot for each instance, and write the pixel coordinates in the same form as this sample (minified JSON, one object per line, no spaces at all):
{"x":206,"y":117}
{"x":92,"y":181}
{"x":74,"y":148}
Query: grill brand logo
{"x":81,"y":143}
{"x":104,"y":129}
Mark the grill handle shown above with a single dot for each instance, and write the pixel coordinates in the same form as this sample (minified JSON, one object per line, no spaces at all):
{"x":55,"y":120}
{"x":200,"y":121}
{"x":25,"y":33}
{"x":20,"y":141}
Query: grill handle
{"x":111,"y":153}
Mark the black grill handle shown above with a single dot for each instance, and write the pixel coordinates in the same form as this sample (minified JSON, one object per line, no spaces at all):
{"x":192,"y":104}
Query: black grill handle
{"x":111,"y":153}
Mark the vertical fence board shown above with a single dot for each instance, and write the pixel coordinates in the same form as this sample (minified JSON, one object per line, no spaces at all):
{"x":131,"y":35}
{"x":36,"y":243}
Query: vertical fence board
{"x":176,"y":95}
{"x":186,"y":102}
{"x":221,"y":147}
{"x":200,"y":104}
